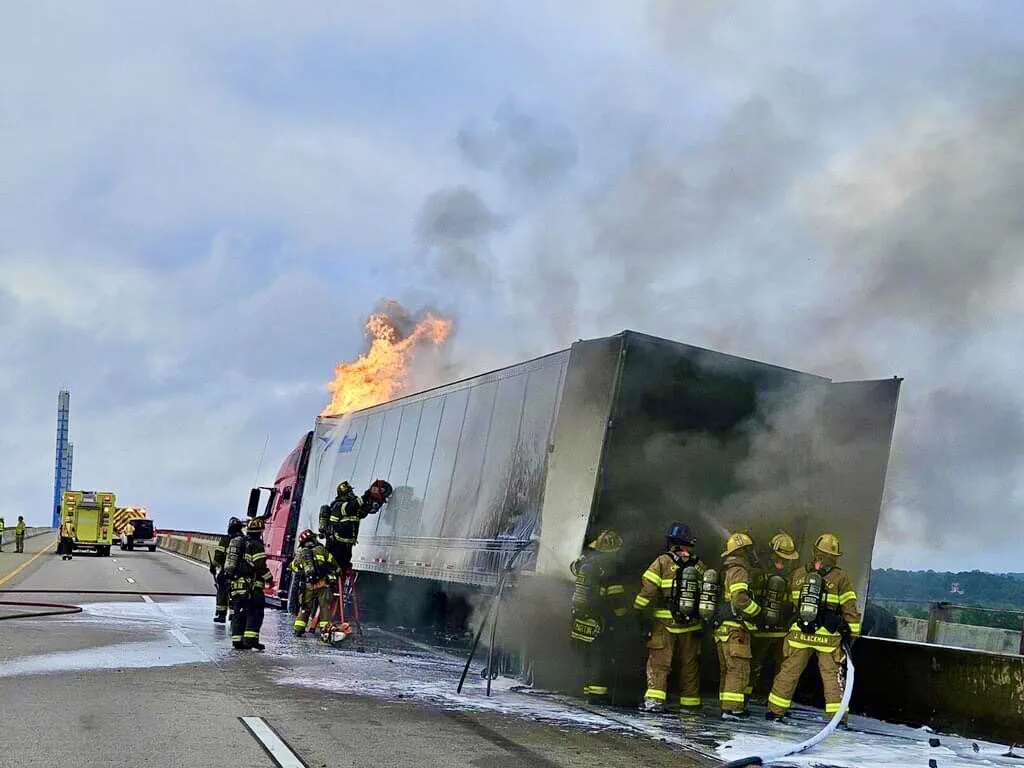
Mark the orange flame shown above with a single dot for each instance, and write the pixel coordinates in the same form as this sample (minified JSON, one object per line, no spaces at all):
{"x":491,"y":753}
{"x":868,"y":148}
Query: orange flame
{"x":382,"y":372}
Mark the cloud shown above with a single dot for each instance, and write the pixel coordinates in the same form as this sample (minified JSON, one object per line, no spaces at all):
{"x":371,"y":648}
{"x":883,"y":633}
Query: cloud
{"x":200,"y":210}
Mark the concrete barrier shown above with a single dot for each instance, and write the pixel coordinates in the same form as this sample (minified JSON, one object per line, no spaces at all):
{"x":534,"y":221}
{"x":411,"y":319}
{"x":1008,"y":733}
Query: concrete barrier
{"x":960,"y":635}
{"x":194,"y":546}
{"x":973,"y":693}
{"x":29,"y":533}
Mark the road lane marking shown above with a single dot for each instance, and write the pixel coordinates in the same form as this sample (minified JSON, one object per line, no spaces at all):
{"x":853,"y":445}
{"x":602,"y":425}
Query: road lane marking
{"x":181,"y":636}
{"x":113,"y":559}
{"x":23,"y":566}
{"x":186,"y":559}
{"x":129,"y":579}
{"x":147,"y":598}
{"x":120,"y":568}
{"x":272,"y":743}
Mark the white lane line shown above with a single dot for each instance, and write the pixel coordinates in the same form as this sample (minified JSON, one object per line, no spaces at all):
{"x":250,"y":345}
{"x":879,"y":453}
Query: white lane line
{"x":180,"y":636}
{"x":113,"y":559}
{"x":147,"y":598}
{"x":129,"y":579}
{"x":186,"y":559}
{"x":275,"y":746}
{"x":120,"y":567}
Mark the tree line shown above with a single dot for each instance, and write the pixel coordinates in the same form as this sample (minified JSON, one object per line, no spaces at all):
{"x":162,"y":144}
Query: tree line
{"x":909,"y":593}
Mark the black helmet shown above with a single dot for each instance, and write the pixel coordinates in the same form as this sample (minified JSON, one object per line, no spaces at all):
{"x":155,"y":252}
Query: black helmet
{"x":234,"y":526}
{"x":679,"y":533}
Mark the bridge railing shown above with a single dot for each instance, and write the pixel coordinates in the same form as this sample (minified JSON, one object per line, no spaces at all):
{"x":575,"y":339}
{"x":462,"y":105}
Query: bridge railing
{"x":195,"y":545}
{"x":8,"y":537}
{"x":957,"y":625}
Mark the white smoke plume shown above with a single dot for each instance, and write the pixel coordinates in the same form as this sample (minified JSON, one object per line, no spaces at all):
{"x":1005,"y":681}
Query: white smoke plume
{"x":845,"y":200}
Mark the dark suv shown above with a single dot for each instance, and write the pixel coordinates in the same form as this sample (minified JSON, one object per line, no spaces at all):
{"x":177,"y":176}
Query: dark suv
{"x":143,"y":536}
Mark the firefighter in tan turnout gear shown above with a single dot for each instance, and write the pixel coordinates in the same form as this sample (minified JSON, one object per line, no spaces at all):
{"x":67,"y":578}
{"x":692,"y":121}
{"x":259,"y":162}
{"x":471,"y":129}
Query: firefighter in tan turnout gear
{"x":668,"y":588}
{"x":246,"y":567}
{"x":339,"y":520}
{"x":317,"y":572}
{"x":220,"y":552}
{"x":826,"y":613}
{"x":598,"y":606}
{"x":771,"y":591}
{"x":737,"y":614}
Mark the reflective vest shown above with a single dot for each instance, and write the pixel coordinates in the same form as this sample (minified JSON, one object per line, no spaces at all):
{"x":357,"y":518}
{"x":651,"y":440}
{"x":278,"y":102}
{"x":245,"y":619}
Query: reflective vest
{"x":656,"y":589}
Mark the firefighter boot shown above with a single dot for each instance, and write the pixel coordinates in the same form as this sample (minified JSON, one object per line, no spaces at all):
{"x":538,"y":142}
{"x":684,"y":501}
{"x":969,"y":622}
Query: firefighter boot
{"x":653,"y":706}
{"x":735,"y":715}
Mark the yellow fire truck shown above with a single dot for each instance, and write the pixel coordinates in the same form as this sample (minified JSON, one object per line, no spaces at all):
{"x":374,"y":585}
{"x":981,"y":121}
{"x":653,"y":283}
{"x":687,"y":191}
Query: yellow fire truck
{"x":92,"y":512}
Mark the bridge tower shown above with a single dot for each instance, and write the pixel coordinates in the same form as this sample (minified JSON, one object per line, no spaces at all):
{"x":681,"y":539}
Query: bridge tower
{"x":63,"y":459}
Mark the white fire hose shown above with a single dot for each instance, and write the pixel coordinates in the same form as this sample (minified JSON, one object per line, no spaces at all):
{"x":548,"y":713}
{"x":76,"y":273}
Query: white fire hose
{"x":803,"y":746}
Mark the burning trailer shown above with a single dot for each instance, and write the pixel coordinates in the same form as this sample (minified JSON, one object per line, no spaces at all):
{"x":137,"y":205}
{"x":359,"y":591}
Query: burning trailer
{"x":628,"y":431}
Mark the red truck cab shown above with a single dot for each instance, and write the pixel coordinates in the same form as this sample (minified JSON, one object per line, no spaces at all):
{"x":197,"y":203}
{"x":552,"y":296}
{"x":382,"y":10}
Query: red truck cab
{"x":282,"y":525}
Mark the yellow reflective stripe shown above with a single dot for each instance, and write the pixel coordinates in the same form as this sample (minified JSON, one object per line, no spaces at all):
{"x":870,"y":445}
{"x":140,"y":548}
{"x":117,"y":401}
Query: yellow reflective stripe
{"x":831,"y":709}
{"x":748,"y":690}
{"x":855,"y":627}
{"x":729,"y":696}
{"x":795,"y":595}
{"x":752,"y":609}
{"x":596,"y":690}
{"x":664,"y":613}
{"x":739,"y":586}
{"x":689,"y":701}
{"x":832,"y":599}
{"x":667,"y":583}
{"x":620,"y":611}
{"x":847,"y":597}
{"x":641,"y":602}
{"x":775,"y":635}
{"x":654,"y":693}
{"x":652,"y":577}
{"x":615,"y":589}
{"x":683,"y":630}
{"x":778,"y":701}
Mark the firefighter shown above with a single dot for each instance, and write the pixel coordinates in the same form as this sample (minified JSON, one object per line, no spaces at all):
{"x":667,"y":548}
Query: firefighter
{"x":736,"y":617}
{"x":598,"y":605}
{"x":246,"y":566}
{"x":217,"y":570}
{"x":339,"y":521}
{"x":826,"y":614}
{"x":317,"y":572}
{"x":772,"y":593}
{"x":67,"y":539}
{"x":671,"y":635}
{"x":19,"y":535}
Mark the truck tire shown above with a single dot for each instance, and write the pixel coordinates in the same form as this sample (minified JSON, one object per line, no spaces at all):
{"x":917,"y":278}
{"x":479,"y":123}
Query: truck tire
{"x":152,"y":547}
{"x":106,"y":551}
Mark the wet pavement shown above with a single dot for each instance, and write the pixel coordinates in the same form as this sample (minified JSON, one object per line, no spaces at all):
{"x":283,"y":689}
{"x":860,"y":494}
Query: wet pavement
{"x":152,"y":681}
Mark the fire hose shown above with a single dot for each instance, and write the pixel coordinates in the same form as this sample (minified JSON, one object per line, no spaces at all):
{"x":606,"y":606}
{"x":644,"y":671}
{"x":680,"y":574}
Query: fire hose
{"x":63,"y":609}
{"x":803,"y":746}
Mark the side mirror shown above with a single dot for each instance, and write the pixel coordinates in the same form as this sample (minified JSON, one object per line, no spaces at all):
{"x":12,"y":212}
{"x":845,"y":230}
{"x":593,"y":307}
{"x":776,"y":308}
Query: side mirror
{"x":254,"y":502}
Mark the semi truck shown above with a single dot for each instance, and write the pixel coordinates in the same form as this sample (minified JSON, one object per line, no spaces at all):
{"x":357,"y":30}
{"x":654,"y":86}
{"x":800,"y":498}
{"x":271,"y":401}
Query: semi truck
{"x":628,"y":431}
{"x":92,"y":513}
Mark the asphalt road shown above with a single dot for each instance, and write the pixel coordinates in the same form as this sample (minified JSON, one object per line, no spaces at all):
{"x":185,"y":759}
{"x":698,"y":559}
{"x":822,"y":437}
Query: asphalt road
{"x":144,"y":680}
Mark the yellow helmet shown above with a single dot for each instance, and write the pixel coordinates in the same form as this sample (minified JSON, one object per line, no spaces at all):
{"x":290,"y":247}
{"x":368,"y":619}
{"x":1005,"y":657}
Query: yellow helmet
{"x":607,"y":540}
{"x":344,"y":489}
{"x":828,"y":543}
{"x":736,"y":542}
{"x":256,"y":524}
{"x":783,"y":546}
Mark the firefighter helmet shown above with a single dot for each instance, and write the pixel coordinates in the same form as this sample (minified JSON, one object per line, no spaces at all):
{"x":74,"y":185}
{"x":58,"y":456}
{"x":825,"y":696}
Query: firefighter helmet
{"x":736,"y":542}
{"x":344,"y":489}
{"x":680,"y":533}
{"x":382,"y":488}
{"x":828,"y":543}
{"x":235,"y":526}
{"x":306,"y":536}
{"x":256,"y":525}
{"x":782,"y":545}
{"x":607,"y":540}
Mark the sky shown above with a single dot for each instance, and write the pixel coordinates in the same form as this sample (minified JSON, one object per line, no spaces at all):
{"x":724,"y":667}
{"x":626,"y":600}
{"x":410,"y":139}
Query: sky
{"x":200,"y":203}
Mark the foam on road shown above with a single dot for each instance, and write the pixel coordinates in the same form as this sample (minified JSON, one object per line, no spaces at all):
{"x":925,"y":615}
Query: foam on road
{"x":152,"y":681}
